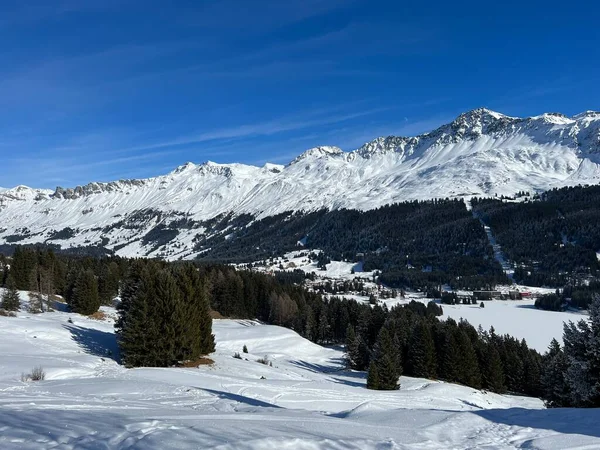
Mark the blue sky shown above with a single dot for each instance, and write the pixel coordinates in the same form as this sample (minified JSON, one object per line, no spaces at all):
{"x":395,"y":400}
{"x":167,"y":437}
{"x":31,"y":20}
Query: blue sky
{"x":109,"y":89}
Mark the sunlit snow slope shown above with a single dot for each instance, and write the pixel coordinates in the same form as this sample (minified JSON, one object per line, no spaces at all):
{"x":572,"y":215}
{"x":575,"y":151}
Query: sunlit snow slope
{"x":306,"y":400}
{"x":480,"y":153}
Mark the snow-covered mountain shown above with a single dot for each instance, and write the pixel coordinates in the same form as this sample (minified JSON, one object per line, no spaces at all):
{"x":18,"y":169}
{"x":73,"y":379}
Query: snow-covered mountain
{"x":481,"y":153}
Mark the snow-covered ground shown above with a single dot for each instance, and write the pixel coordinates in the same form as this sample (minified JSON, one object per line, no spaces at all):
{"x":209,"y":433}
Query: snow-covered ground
{"x":306,"y":400}
{"x":298,"y":260}
{"x":519,"y":318}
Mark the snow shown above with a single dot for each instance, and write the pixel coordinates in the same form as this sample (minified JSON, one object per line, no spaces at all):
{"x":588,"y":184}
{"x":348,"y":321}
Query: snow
{"x":519,"y":318}
{"x":306,"y":400}
{"x":481,"y":153}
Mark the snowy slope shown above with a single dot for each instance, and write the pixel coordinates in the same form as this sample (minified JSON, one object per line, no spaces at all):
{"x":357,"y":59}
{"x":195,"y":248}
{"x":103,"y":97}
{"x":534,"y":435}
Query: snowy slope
{"x":305,"y":401}
{"x":480,"y":153}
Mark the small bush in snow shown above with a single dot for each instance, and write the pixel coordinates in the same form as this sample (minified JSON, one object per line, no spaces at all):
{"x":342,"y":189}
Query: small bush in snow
{"x":237,"y":355}
{"x":245,"y":349}
{"x":265,"y":361}
{"x":6,"y":313}
{"x":37,"y":374}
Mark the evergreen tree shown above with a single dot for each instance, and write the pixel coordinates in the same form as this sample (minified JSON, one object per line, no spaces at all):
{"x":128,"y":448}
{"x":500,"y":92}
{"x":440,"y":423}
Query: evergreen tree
{"x":493,"y":374}
{"x":554,"y":385}
{"x":351,"y":347}
{"x":468,"y":371}
{"x":10,"y":297}
{"x":357,"y":352}
{"x":421,"y":352}
{"x":108,"y":282}
{"x":582,"y":350}
{"x":450,"y":365}
{"x":84,"y":298}
{"x":385,"y":362}
{"x":136,"y":331}
{"x":373,"y":377}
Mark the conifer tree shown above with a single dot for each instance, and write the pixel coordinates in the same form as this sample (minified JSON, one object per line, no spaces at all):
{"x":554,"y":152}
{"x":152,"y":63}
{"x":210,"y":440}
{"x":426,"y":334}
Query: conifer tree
{"x":554,"y":385}
{"x":469,"y":373}
{"x":385,"y":361}
{"x":451,"y":359}
{"x":10,"y":297}
{"x":421,"y":352}
{"x":136,"y":331}
{"x":373,"y":377}
{"x":493,"y":375}
{"x":582,"y":350}
{"x":351,"y":348}
{"x":84,"y":299}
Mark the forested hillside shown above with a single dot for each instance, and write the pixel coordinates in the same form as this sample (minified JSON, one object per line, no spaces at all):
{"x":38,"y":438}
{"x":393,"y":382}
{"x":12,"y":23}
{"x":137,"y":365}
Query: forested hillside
{"x":553,"y":240}
{"x":413,"y":244}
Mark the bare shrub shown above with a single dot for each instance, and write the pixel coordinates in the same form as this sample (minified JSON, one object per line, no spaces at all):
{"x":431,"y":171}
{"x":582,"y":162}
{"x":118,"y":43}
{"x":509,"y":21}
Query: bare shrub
{"x":37,"y":374}
{"x":237,"y":355}
{"x":265,"y":361}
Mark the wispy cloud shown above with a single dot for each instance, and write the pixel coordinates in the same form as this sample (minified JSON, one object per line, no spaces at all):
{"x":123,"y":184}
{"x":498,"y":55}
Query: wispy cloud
{"x":266,"y":128}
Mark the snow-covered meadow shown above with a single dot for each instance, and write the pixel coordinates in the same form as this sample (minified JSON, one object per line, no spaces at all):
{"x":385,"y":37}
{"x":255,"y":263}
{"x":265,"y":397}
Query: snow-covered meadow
{"x":306,"y":400}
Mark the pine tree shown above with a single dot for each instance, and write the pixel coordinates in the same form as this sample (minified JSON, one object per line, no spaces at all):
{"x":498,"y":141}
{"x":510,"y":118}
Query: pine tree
{"x":554,"y":386}
{"x":450,"y":359}
{"x":582,"y":350}
{"x":10,"y":297}
{"x":357,"y":351}
{"x":421,"y":352}
{"x":84,"y":298}
{"x":469,"y":373}
{"x":385,"y":361}
{"x":373,"y":377}
{"x":352,"y":355}
{"x":108,"y":283}
{"x":493,"y":373}
{"x":136,"y":331}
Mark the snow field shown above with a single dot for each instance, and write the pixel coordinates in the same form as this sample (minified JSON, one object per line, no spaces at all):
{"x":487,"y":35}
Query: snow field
{"x":306,"y":400}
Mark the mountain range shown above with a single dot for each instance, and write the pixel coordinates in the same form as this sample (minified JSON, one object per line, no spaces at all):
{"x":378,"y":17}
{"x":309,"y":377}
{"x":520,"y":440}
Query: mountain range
{"x":480,"y":153}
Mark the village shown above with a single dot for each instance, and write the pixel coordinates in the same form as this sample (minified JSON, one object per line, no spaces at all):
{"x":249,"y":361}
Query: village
{"x":348,"y":280}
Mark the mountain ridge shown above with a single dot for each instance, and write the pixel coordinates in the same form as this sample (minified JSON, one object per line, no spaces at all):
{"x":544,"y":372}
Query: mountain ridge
{"x":480,"y":153}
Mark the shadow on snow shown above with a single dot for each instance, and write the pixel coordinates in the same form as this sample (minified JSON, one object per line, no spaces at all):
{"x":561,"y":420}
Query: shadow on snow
{"x":95,"y":342}
{"x":562,"y":420}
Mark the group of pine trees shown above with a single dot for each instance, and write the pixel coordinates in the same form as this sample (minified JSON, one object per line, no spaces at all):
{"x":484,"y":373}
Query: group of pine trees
{"x":84,"y":282}
{"x":412,"y":341}
{"x":571,"y":375}
{"x":164,"y":315}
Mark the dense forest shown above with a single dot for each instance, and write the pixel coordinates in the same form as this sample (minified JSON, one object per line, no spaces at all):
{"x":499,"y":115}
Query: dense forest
{"x":416,"y":245}
{"x":164,"y":320}
{"x":552,"y":240}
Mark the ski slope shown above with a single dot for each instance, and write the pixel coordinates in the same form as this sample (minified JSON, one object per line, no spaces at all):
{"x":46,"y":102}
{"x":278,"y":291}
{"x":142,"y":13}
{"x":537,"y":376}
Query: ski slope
{"x":306,"y":400}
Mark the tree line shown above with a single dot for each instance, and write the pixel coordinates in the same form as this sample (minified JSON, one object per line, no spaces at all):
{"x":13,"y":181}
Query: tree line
{"x":164,"y":320}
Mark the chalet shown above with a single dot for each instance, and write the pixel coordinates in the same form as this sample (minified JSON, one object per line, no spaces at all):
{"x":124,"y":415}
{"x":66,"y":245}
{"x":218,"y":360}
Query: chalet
{"x":514,"y":295}
{"x":486,"y":295}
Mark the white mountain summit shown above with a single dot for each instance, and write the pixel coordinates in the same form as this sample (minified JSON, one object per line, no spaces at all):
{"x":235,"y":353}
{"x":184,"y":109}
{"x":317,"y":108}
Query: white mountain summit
{"x":481,"y":153}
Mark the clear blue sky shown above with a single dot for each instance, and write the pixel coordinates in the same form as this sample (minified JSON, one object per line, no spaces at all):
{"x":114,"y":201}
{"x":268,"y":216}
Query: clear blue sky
{"x":97,"y":90}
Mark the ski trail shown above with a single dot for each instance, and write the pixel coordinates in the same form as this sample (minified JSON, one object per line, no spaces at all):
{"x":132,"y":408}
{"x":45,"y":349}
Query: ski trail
{"x":498,"y":253}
